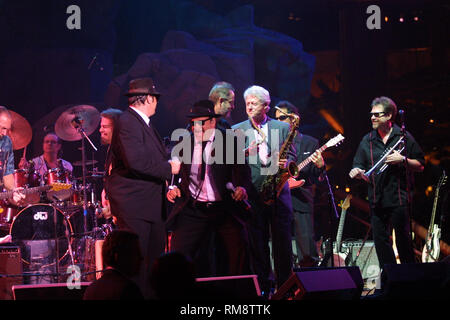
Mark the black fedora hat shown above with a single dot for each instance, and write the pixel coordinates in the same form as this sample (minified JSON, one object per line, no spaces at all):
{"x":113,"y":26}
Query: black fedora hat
{"x":203,"y":108}
{"x":142,"y":86}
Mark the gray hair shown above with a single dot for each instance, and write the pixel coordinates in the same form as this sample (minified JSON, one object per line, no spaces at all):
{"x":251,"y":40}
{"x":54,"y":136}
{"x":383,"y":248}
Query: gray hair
{"x":4,"y":110}
{"x":259,"y":92}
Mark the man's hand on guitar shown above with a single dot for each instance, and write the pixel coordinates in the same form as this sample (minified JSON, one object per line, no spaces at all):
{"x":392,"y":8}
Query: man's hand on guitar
{"x":317,"y":159}
{"x":18,"y":196}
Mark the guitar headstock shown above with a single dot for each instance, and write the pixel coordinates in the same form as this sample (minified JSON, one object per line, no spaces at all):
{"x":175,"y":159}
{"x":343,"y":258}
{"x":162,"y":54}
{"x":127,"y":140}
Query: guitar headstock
{"x":346,"y":204}
{"x":335,"y":141}
{"x":57,"y":186}
{"x":442,"y":180}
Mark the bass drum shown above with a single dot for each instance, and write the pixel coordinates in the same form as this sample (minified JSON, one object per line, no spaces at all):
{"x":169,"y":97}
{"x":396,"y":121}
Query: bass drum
{"x":33,"y":229}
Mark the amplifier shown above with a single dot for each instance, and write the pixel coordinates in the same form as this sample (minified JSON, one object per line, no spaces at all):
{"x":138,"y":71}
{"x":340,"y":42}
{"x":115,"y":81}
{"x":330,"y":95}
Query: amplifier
{"x":363,"y":255}
{"x":10,"y":270}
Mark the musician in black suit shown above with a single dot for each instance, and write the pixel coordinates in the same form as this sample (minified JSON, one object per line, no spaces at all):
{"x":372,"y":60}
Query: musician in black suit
{"x":203,"y":202}
{"x":264,"y":137}
{"x":303,"y":197}
{"x":140,"y":168}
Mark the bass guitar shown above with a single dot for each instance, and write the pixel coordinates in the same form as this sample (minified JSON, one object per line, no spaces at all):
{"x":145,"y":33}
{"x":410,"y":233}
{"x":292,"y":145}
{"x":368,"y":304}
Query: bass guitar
{"x":298,"y":183}
{"x":431,"y":249}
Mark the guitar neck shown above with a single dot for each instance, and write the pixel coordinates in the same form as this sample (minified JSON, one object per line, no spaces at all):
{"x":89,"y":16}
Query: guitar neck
{"x":340,"y":229}
{"x":433,"y":214}
{"x":8,"y":194}
{"x":305,"y":162}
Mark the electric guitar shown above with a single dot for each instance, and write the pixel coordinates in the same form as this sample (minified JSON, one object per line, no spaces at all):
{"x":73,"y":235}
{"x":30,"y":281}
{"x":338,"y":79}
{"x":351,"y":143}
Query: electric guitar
{"x":339,"y":257}
{"x":332,"y":142}
{"x":54,"y":187}
{"x":431,"y":249}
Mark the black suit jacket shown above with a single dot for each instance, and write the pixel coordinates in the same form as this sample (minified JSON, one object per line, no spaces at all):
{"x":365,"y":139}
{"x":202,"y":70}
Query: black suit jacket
{"x":303,"y":198}
{"x":136,"y":187}
{"x":222,"y":173}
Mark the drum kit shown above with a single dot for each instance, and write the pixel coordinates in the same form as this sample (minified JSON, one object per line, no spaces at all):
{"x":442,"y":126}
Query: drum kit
{"x":63,"y":229}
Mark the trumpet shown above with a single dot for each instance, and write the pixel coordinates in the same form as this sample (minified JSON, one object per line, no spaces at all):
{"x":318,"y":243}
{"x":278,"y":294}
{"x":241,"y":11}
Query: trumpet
{"x":381,"y":165}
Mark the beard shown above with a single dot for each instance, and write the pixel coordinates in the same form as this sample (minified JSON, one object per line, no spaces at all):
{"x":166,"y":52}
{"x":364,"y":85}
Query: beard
{"x":104,"y":141}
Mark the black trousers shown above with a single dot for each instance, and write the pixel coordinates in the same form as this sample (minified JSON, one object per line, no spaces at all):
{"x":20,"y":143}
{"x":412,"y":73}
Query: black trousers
{"x":382,"y":220}
{"x":304,"y":239}
{"x":152,"y":240}
{"x":195,"y":224}
{"x":271,"y":222}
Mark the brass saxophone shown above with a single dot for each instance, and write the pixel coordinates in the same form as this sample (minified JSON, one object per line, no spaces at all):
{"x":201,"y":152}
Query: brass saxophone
{"x":273,"y":184}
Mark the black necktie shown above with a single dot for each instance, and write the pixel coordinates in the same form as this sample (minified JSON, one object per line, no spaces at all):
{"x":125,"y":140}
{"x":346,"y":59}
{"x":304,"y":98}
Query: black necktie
{"x":203,"y":165}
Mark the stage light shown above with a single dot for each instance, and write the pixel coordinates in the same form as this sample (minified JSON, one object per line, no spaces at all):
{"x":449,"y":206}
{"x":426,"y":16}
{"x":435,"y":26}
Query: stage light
{"x":386,"y":19}
{"x":431,"y":121}
{"x":401,"y":19}
{"x":347,"y":189}
{"x":416,"y":18}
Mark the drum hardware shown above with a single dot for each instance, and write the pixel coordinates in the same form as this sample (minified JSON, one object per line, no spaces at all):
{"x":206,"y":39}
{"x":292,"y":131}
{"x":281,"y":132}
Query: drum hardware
{"x":74,"y":124}
{"x":88,"y":163}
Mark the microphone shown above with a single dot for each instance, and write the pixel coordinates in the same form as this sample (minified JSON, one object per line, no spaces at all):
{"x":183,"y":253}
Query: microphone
{"x":401,"y":112}
{"x":247,"y":205}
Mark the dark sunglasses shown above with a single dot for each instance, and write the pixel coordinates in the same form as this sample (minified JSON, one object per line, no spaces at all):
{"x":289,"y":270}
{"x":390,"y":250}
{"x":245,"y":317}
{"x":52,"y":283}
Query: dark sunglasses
{"x":200,"y":121}
{"x":377,"y":114}
{"x":281,"y":118}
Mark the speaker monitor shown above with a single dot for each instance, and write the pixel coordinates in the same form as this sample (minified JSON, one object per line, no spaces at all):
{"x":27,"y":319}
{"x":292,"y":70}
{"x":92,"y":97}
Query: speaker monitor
{"x":342,"y":283}
{"x":416,"y":281}
{"x":235,"y":287}
{"x":363,"y":255}
{"x":52,"y":291}
{"x":10,"y":270}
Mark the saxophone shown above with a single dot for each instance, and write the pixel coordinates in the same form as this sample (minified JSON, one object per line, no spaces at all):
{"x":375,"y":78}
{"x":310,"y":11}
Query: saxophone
{"x":273,"y":184}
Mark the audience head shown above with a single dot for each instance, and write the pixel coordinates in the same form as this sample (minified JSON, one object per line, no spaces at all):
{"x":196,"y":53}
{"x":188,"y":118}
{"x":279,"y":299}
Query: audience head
{"x":121,"y":251}
{"x":173,"y":276}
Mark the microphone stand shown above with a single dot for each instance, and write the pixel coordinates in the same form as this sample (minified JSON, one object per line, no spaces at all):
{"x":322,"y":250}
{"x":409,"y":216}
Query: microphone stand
{"x":407,"y":176}
{"x":329,"y":246}
{"x":56,"y":241}
{"x":77,"y":123}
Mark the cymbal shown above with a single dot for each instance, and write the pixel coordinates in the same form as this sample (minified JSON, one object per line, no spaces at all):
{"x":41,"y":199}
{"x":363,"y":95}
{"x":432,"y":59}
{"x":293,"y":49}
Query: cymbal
{"x":88,"y":163}
{"x":69,"y":121}
{"x":20,"y":132}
